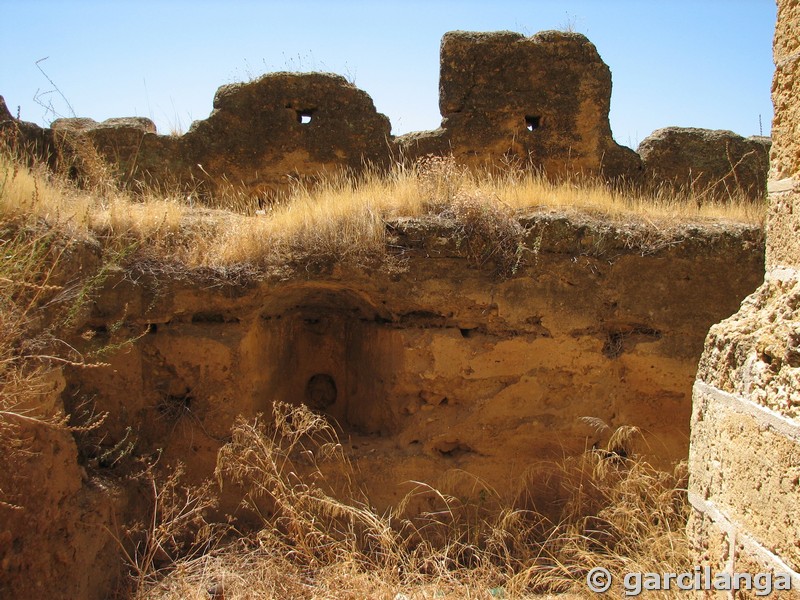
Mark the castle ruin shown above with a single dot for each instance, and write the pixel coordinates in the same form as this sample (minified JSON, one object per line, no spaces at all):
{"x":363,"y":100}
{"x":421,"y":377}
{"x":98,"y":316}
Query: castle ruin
{"x":538,"y":103}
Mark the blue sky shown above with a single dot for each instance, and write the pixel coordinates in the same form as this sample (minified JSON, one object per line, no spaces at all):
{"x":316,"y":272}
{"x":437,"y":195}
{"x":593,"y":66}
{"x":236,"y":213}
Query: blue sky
{"x":689,"y":63}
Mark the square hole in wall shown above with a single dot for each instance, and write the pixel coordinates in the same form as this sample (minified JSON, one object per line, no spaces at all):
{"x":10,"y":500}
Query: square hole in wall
{"x":533,"y":122}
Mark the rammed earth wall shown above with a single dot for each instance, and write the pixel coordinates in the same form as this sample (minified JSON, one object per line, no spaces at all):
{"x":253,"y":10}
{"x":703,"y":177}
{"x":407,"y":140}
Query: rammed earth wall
{"x":506,"y":100}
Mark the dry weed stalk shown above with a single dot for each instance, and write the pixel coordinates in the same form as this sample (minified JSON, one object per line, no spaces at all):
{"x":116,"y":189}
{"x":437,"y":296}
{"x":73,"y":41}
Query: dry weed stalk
{"x":177,"y":530}
{"x":320,"y":539}
{"x":40,"y":300}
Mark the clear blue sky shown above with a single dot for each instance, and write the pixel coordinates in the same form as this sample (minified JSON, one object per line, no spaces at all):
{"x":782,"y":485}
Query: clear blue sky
{"x":674,"y":62}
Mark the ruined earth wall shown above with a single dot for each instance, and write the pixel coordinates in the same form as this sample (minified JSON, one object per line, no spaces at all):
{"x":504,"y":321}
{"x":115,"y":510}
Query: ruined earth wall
{"x":708,"y":164}
{"x":507,"y":101}
{"x":745,"y":444}
{"x":539,"y":101}
{"x":439,"y":369}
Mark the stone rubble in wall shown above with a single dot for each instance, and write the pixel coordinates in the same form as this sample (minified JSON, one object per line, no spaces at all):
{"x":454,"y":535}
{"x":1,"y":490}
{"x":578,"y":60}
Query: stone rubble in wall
{"x":756,"y":352}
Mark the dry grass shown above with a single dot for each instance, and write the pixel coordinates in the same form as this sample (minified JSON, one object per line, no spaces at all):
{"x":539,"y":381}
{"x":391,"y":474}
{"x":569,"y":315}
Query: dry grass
{"x":342,"y":218}
{"x":36,"y":304}
{"x":319,"y":538}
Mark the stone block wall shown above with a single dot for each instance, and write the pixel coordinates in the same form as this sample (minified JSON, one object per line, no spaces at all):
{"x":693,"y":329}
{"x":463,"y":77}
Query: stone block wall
{"x":745,"y":485}
{"x":745,"y":442}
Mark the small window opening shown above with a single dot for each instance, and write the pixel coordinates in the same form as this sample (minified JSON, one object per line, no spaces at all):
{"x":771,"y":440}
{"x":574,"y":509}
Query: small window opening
{"x":304,"y":117}
{"x":321,"y":391}
{"x":533,"y":122}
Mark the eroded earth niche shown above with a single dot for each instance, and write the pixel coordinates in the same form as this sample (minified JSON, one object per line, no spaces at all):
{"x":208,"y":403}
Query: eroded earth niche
{"x":443,"y":367}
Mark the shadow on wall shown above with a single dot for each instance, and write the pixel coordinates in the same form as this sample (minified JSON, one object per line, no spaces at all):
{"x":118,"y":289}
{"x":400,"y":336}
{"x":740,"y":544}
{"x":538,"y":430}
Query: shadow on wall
{"x":326,"y":348}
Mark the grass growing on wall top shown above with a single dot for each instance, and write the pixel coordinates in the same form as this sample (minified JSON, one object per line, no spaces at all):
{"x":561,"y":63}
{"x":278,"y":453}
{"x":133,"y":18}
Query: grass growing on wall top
{"x":341,"y":218}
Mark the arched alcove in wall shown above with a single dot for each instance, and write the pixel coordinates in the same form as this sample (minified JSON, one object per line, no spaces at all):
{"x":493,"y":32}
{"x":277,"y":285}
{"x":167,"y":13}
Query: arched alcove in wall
{"x":329,"y":348}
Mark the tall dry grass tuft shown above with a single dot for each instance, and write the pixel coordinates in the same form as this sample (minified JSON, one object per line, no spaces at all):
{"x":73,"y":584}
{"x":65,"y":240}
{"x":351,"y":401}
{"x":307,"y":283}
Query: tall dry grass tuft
{"x":319,"y":538}
{"x":621,"y":514}
{"x":341,"y":218}
{"x":294,"y":468}
{"x":620,"y":201}
{"x":48,"y":274}
{"x":35,"y":304}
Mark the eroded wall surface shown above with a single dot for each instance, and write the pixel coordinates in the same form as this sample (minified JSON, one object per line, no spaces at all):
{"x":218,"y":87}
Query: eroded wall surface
{"x":541,"y":101}
{"x":745,"y":444}
{"x":439,"y":369}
